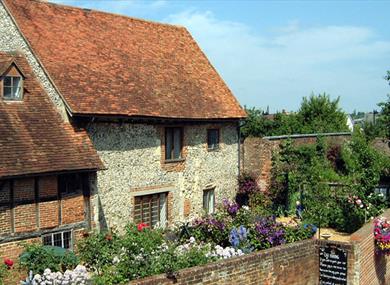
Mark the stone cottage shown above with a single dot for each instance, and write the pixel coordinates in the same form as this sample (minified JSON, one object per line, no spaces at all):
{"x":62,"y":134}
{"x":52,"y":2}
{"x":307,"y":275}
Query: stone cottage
{"x":45,"y":165}
{"x":162,"y":120}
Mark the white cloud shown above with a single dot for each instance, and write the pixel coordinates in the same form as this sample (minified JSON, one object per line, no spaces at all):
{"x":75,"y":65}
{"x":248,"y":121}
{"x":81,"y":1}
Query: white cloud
{"x":281,"y":67}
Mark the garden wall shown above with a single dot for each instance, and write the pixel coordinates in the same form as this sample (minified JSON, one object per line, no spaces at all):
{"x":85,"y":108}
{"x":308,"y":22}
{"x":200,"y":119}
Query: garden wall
{"x":290,"y":264}
{"x":256,"y":153}
{"x":371,"y":268}
{"x":297,"y":263}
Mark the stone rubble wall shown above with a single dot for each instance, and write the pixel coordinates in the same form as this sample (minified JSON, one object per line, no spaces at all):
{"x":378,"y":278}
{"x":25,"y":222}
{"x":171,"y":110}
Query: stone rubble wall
{"x":132,"y":154}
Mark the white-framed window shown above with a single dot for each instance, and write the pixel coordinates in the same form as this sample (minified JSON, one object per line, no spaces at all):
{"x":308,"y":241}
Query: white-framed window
{"x":209,"y":200}
{"x":61,"y":239}
{"x":151,"y":209}
{"x":12,"y":88}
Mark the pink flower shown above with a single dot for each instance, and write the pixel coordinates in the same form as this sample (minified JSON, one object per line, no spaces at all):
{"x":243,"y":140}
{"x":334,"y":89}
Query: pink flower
{"x":358,"y":201}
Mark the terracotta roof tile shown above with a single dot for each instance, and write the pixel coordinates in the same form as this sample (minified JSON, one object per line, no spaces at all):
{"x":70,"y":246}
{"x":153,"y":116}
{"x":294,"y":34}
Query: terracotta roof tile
{"x":33,"y":137}
{"x":116,"y":65}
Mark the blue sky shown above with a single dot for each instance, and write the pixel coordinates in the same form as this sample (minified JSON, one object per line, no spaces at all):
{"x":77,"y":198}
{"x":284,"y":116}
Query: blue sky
{"x":272,"y":53}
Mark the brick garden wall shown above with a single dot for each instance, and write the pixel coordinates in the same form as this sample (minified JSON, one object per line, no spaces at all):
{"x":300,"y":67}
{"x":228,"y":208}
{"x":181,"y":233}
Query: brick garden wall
{"x":296,"y":263}
{"x":372,"y":269}
{"x":290,"y":264}
{"x":256,"y":153}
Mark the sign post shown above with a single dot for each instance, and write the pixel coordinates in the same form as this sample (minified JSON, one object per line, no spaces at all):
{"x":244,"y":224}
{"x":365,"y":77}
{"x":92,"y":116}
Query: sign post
{"x":333,"y":265}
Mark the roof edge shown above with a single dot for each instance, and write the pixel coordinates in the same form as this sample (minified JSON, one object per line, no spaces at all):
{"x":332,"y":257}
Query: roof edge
{"x":48,"y":2}
{"x":67,"y":106}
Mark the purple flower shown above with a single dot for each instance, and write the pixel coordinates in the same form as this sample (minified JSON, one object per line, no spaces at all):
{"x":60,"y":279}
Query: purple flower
{"x":234,"y":238}
{"x":231,"y":207}
{"x":242,"y":233}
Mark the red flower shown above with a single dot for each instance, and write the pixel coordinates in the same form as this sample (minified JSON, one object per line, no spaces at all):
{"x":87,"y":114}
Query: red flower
{"x":9,"y":263}
{"x":108,"y":237}
{"x":141,"y":226}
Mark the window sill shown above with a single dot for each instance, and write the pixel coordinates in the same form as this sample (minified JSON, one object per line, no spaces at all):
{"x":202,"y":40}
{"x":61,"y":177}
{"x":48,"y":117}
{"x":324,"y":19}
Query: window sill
{"x":177,"y":160}
{"x":213,"y":149}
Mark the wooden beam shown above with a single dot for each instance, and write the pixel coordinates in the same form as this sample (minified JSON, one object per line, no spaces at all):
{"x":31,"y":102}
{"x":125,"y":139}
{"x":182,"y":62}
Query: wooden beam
{"x":11,"y":205}
{"x":36,"y":194}
{"x":39,"y":233}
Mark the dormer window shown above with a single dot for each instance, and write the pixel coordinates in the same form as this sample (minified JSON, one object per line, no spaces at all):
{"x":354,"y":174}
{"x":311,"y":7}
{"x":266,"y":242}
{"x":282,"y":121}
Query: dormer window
{"x":12,"y":88}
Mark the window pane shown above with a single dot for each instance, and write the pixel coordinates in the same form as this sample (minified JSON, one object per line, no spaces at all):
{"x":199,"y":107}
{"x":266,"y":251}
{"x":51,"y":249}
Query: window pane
{"x":8,"y":92}
{"x":206,"y":201}
{"x":163,"y":210}
{"x":213,"y":138}
{"x":177,"y":143}
{"x":211,"y":201}
{"x":47,"y":240}
{"x":168,"y":143}
{"x":8,"y":81}
{"x":57,"y":239}
{"x":151,"y":209}
{"x":67,"y":239}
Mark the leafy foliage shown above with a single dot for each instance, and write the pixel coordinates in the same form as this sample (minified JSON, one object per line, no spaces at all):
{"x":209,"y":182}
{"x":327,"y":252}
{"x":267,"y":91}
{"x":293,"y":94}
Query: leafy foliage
{"x":37,"y":258}
{"x":325,"y":177}
{"x":317,"y":114}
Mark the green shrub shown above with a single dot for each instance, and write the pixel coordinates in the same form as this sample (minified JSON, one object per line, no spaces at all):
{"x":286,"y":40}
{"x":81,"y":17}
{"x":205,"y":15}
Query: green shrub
{"x":97,"y":250}
{"x":37,"y":258}
{"x":300,"y":232}
{"x":3,"y":273}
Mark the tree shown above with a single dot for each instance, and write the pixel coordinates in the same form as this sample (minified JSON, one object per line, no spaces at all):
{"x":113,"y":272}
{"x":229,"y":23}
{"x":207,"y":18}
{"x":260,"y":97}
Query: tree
{"x":319,"y":114}
{"x":385,"y":112}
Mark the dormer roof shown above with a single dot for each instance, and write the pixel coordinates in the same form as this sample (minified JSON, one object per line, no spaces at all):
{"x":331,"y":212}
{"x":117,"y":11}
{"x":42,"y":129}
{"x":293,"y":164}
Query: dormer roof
{"x":34,"y":139}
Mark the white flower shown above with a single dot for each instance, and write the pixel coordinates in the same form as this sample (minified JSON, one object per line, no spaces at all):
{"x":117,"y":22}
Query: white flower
{"x":246,"y":208}
{"x":115,"y":260}
{"x":192,"y":239}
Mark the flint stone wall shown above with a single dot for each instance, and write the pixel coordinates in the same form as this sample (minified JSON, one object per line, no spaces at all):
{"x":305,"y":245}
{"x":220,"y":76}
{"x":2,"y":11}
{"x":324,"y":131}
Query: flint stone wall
{"x":132,"y":154}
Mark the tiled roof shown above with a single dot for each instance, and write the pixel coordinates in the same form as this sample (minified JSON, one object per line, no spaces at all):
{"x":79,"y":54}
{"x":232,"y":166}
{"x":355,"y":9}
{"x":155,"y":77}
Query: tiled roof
{"x":115,"y":65}
{"x":33,"y":137}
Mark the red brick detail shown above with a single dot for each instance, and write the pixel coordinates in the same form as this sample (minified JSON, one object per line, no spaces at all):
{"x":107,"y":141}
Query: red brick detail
{"x":256,"y":158}
{"x":187,"y":207}
{"x":24,"y":189}
{"x":48,"y":186}
{"x":48,"y":214}
{"x":12,"y":250}
{"x":73,"y":209}
{"x":25,"y":218}
{"x":293,"y":264}
{"x":5,"y":220}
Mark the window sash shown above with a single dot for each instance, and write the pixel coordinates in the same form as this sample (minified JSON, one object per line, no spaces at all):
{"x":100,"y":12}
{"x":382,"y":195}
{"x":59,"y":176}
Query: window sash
{"x":173,"y":143}
{"x":60,"y":239}
{"x":12,"y":86}
{"x":213,"y":138}
{"x":209,"y":201}
{"x":151,"y":209}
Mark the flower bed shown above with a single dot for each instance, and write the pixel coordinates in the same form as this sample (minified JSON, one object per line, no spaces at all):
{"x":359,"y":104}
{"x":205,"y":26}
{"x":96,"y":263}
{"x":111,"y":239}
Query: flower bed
{"x":110,"y":258}
{"x":382,"y":235}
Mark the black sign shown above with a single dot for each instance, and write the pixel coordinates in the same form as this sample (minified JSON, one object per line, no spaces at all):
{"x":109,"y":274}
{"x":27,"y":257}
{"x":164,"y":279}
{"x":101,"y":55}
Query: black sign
{"x":333,"y":265}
